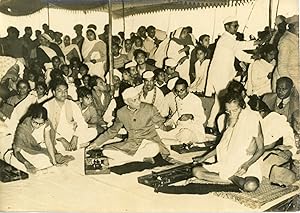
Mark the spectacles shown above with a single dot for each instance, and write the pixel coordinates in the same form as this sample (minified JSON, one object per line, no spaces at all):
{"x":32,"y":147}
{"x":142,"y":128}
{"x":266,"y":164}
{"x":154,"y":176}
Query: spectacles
{"x":37,"y":123}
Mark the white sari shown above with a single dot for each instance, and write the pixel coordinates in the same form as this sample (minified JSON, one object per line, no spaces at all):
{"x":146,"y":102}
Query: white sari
{"x":88,"y":54}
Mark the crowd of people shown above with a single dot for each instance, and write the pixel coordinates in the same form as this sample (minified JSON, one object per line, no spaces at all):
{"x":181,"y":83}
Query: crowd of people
{"x":57,"y":96}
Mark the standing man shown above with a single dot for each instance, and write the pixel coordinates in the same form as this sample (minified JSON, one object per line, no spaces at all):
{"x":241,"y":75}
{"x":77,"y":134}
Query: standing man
{"x":222,"y":69}
{"x":288,"y":55}
{"x":79,"y":38}
{"x":140,"y":120}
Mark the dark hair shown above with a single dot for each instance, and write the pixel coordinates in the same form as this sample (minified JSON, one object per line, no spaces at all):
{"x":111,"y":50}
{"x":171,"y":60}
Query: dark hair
{"x":257,"y":104}
{"x":94,"y":27}
{"x":59,"y":82}
{"x":55,"y":57}
{"x":189,"y":29}
{"x":150,"y":28}
{"x":285,"y":79}
{"x":64,"y":65}
{"x":83,"y":92}
{"x":22,"y":81}
{"x":267,"y":48}
{"x":235,"y":96}
{"x":54,"y":74}
{"x":181,"y":81}
{"x":157,"y":72}
{"x":84,"y":66}
{"x":138,"y":51}
{"x":35,"y":111}
{"x":74,"y":59}
{"x":90,"y":30}
{"x":93,"y":80}
{"x":86,"y":75}
{"x":202,"y":37}
{"x":40,"y":83}
{"x":13,"y":30}
{"x":235,"y":86}
{"x":202,"y":48}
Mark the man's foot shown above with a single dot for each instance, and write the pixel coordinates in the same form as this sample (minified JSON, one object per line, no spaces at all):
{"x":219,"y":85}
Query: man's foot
{"x":149,"y":160}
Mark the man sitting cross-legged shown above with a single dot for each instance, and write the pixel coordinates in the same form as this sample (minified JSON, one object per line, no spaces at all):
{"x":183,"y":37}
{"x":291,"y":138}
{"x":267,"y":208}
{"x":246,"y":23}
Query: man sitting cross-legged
{"x":140,"y":121}
{"x":235,"y":163}
{"x":67,"y":122}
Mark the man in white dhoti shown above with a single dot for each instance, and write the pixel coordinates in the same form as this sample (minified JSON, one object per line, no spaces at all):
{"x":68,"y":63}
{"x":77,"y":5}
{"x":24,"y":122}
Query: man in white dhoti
{"x":235,"y":163}
{"x":67,"y":122}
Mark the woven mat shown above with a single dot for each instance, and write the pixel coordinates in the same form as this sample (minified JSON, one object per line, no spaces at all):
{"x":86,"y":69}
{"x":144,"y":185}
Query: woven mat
{"x":264,"y":194}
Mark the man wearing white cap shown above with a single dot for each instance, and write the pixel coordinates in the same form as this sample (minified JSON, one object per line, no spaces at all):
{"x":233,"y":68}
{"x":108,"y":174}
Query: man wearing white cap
{"x":221,"y":69}
{"x":170,"y":67}
{"x":288,"y":55}
{"x":139,"y":119}
{"x":151,"y":94}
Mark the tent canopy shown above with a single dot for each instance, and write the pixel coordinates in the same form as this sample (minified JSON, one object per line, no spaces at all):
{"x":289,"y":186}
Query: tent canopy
{"x":131,"y":7}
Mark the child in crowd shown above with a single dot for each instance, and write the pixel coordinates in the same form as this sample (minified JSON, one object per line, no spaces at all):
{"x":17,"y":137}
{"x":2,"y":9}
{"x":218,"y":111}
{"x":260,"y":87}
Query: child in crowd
{"x":56,"y":62}
{"x":138,"y":44}
{"x":67,"y":74}
{"x":160,"y":80}
{"x":119,"y":59}
{"x":260,"y":72}
{"x":201,"y":68}
{"x":170,"y":69}
{"x":127,"y":49}
{"x":140,"y":57}
{"x":88,"y":109}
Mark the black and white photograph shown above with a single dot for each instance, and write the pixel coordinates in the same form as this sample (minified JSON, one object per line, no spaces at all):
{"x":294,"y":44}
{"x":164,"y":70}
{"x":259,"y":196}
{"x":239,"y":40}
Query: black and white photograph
{"x":149,"y":106}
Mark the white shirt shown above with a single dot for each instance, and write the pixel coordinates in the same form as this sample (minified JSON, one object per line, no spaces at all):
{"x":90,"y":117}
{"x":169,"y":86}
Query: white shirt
{"x":222,"y":69}
{"x":157,"y":98}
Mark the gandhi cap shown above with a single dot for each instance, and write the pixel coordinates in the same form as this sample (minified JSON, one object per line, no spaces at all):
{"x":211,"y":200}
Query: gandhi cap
{"x":148,"y":75}
{"x":130,"y":92}
{"x":229,"y":19}
{"x":130,"y":64}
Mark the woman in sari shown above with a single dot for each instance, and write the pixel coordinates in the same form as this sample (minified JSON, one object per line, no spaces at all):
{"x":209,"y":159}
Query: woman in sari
{"x":94,"y":53}
{"x":70,"y":50}
{"x":32,"y":145}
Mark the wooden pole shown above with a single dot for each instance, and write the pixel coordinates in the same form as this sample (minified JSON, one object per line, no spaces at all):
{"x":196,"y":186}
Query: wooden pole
{"x":270,"y":13}
{"x":123,"y":14}
{"x":48,"y":14}
{"x":110,"y":56}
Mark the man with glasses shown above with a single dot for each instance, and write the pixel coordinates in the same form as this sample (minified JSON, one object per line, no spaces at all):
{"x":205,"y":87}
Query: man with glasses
{"x":222,"y":69}
{"x":140,"y":121}
{"x":188,"y":119}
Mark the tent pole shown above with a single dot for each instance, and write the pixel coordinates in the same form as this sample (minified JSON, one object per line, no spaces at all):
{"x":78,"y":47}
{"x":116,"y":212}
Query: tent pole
{"x":123,"y":14}
{"x":110,"y":57}
{"x":270,"y":13}
{"x":48,"y":14}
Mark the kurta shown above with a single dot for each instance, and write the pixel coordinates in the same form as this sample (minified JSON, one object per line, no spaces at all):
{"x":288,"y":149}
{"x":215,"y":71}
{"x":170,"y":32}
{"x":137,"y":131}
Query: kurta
{"x":156,"y":98}
{"x":221,"y":69}
{"x":201,"y":74}
{"x":274,"y":126}
{"x":140,"y":124}
{"x":191,"y":104}
{"x":258,"y":82}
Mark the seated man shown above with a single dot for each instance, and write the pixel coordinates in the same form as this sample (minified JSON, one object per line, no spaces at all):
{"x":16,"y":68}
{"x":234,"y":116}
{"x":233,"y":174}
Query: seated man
{"x":67,"y":123}
{"x":151,"y":94}
{"x":32,"y":145}
{"x":286,"y":99}
{"x":275,"y":128}
{"x":234,"y":161}
{"x":140,"y":120}
{"x":188,"y":118}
